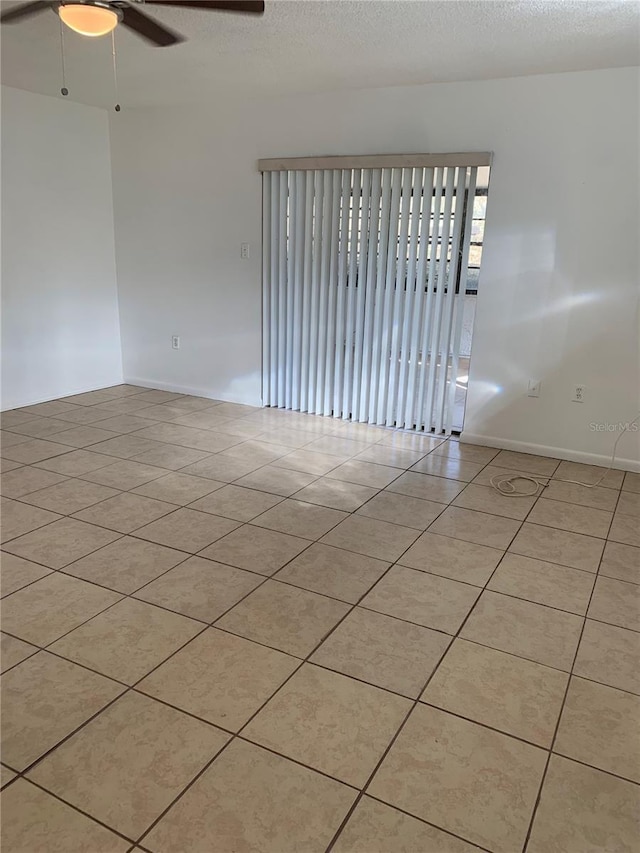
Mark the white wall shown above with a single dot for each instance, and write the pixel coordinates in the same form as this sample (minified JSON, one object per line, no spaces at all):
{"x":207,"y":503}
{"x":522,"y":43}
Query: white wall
{"x":559,"y":284}
{"x":60,"y":328}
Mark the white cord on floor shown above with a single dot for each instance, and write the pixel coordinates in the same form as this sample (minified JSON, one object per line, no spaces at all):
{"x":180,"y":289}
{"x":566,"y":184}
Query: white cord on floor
{"x":505,"y":483}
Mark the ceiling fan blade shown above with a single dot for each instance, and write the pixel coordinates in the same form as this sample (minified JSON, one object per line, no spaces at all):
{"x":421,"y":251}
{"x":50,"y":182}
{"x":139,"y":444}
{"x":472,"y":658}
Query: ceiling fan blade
{"x":24,"y":11}
{"x":149,"y":29}
{"x":244,"y":7}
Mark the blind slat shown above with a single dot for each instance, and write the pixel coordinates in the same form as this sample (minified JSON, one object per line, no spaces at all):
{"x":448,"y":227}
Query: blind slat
{"x":341,"y":306}
{"x":306,"y":287}
{"x":315,"y":288}
{"x":464,"y":265}
{"x":434,"y":373}
{"x":412,"y":298}
{"x":411,"y":417}
{"x":354,"y":219}
{"x":290,"y":288}
{"x":434,"y":234}
{"x":298,"y":286}
{"x":282,"y":288}
{"x":329,"y":377}
{"x":369,"y":294}
{"x":449,"y":300}
{"x":275,"y":281}
{"x":392,"y":258}
{"x":363,"y":250}
{"x":399,"y":297}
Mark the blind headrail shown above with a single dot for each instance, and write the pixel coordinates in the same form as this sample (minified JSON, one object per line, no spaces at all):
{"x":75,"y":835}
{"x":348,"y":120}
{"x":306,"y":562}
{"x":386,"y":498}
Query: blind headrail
{"x":376,"y":161}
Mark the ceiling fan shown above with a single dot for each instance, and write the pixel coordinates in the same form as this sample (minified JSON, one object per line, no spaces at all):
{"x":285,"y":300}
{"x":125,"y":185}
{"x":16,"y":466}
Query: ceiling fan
{"x":99,"y":17}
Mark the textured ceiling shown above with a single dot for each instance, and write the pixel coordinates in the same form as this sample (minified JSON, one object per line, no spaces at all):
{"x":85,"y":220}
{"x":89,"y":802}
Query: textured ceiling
{"x":320,"y":45}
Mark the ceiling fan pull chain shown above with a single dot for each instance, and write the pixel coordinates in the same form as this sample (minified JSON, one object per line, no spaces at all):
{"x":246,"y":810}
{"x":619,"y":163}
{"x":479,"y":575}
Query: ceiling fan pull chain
{"x":64,"y":91}
{"x":115,"y":72}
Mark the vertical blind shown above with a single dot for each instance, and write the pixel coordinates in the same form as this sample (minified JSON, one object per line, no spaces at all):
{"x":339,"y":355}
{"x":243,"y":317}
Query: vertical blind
{"x":364,"y":272}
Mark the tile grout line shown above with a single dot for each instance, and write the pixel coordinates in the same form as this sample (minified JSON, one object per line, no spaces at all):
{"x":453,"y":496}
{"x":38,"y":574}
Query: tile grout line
{"x":422,"y":820}
{"x":573,"y":760}
{"x":90,"y":817}
{"x":560,"y":715}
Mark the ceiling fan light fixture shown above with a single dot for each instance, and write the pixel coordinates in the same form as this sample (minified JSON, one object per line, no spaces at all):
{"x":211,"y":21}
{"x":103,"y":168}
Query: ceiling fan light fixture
{"x":88,"y":19}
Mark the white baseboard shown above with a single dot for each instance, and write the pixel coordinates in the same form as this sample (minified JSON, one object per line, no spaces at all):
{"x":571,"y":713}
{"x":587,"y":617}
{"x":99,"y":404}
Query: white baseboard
{"x":208,"y":393}
{"x":68,"y":393}
{"x":553,"y":452}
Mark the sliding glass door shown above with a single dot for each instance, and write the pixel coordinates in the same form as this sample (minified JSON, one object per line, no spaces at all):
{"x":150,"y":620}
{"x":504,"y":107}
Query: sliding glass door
{"x":365,"y":274}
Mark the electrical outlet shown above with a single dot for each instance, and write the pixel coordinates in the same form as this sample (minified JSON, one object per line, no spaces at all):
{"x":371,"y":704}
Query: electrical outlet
{"x":578,"y":394}
{"x":533,"y":389}
{"x":244,"y":251}
{"x":175,"y":342}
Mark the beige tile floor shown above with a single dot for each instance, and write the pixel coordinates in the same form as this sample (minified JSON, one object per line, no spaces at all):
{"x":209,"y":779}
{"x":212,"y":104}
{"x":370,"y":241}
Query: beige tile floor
{"x":238,"y":630}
